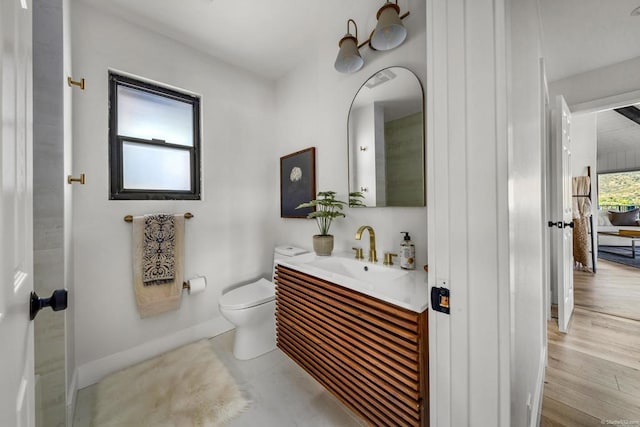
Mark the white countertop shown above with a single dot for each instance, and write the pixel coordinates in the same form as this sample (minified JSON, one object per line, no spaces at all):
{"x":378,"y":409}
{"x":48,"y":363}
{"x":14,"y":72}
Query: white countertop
{"x":409,"y":291}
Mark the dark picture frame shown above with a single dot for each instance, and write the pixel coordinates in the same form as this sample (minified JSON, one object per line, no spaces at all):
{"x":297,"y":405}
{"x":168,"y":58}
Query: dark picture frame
{"x":297,"y":182}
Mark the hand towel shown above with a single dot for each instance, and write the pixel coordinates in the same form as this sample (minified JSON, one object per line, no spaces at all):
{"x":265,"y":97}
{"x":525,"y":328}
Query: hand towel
{"x":581,"y":186}
{"x":158,"y":249}
{"x":160,"y":298}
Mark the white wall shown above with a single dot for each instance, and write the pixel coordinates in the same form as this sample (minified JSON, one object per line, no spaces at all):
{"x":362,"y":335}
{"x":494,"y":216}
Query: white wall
{"x":229,"y":240}
{"x":607,"y":87}
{"x":526,"y":216}
{"x":313,"y":102}
{"x":619,"y":161}
{"x":584,"y":143}
{"x":468,"y":200}
{"x":380,"y":163}
{"x":363,"y":165}
{"x":584,"y":147}
{"x":613,"y":86}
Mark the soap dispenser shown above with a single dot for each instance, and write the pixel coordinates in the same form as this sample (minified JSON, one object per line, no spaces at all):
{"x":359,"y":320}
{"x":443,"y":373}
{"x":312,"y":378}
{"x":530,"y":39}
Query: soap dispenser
{"x":407,"y":253}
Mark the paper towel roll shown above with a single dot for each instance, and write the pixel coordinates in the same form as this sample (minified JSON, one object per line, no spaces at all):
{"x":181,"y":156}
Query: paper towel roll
{"x":197,"y":285}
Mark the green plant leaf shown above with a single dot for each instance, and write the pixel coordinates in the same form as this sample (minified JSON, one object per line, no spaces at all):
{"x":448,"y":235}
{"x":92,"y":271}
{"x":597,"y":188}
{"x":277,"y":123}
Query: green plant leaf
{"x":327,"y":209}
{"x":354,"y":199}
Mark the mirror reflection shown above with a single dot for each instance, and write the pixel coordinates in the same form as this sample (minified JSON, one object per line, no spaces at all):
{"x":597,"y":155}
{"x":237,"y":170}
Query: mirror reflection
{"x":386,"y":140}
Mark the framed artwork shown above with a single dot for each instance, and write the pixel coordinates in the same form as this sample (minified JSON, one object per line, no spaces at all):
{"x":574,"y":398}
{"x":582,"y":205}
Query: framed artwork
{"x":297,"y":182}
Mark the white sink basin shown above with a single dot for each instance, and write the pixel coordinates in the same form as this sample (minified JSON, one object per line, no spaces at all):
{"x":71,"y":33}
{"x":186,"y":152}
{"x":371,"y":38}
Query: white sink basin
{"x":360,"y":270}
{"x":405,"y":288}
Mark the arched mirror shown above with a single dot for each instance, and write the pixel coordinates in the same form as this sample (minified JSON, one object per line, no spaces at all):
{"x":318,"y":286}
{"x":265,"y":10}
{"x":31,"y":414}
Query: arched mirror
{"x":386,"y":140}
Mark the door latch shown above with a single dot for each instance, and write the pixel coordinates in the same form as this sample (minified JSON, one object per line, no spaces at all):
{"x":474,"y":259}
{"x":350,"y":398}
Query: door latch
{"x":57,"y":301}
{"x":440,"y":299}
{"x":561,"y":224}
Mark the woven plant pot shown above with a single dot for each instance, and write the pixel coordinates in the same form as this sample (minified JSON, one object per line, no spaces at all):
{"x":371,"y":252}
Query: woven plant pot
{"x":323,"y":245}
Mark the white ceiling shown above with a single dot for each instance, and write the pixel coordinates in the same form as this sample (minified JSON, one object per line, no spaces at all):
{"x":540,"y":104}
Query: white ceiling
{"x":583,"y":35}
{"x":617,"y":133}
{"x":266,"y":37}
{"x":270,"y":37}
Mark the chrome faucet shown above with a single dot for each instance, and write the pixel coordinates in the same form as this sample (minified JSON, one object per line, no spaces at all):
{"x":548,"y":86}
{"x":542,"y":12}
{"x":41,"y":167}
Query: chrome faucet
{"x":372,"y":241}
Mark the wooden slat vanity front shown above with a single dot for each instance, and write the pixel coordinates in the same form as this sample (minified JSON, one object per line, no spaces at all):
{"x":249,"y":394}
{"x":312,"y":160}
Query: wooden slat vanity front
{"x":370,"y":354}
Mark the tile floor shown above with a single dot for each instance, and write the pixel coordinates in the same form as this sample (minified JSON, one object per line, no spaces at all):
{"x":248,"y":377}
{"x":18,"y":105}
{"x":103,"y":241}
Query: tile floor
{"x":281,"y":393}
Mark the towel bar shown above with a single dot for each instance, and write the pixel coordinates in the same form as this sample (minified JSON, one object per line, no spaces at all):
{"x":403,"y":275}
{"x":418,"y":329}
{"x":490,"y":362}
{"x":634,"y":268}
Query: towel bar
{"x":129,"y":218}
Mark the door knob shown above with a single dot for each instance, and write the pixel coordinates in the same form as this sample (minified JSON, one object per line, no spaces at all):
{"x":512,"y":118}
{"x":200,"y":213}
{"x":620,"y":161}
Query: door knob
{"x":57,"y":301}
{"x":558,"y":224}
{"x":569,"y":224}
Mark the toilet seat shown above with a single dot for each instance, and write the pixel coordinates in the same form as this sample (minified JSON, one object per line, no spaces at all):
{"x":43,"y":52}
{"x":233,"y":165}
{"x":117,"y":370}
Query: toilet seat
{"x":246,"y":296}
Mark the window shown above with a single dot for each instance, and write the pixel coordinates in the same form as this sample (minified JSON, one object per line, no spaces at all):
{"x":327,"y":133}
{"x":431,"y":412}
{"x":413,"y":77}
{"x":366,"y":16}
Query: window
{"x":154,"y":141}
{"x":619,"y":190}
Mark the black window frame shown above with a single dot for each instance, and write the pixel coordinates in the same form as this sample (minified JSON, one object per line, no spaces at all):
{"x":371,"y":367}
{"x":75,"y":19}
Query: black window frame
{"x":116,"y":142}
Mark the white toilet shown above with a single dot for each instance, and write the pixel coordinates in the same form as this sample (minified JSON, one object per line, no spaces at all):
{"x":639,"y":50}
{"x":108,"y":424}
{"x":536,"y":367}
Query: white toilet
{"x":251,"y":308}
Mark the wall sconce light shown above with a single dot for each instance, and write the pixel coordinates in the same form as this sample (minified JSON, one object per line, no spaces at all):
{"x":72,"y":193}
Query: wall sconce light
{"x":388,"y":34}
{"x":349,"y":59}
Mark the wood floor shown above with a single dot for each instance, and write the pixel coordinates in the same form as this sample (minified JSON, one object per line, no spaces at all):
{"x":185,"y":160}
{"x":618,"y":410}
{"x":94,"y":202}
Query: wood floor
{"x":593,"y":373}
{"x":614,"y":289}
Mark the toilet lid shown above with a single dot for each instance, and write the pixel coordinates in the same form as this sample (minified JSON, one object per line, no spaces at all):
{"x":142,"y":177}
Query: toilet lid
{"x":250,"y":295}
{"x":288,"y":250}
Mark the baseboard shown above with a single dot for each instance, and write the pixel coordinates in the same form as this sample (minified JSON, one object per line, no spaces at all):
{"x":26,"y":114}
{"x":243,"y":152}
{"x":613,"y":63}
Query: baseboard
{"x":72,"y":394}
{"x":92,"y":372}
{"x":539,"y":391}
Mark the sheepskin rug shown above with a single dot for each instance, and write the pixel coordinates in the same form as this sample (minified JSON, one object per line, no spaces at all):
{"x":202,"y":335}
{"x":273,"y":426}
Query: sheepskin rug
{"x":184,"y":387}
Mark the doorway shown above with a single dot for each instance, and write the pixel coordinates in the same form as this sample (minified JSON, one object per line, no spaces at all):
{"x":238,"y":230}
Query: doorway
{"x":52,"y":247}
{"x":592,"y":375}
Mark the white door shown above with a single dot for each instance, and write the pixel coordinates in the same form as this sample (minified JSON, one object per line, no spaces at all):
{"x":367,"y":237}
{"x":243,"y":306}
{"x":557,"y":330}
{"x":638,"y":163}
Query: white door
{"x":16,"y":229}
{"x":545,"y":113}
{"x":562,"y":230}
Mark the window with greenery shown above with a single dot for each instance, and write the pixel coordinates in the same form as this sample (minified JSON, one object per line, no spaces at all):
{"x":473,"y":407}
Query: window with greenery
{"x":154,"y":141}
{"x":619,"y":190}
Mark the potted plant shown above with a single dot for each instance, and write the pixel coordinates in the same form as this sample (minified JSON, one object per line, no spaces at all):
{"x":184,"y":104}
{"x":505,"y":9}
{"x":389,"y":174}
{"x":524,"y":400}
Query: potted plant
{"x":327,"y":209}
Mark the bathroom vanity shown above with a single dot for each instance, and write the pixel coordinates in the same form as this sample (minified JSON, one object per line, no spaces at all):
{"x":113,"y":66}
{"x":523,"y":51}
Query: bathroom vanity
{"x":363,"y":339}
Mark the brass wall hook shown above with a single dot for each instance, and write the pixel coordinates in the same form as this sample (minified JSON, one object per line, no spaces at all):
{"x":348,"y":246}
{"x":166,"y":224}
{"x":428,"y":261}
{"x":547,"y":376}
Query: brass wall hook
{"x":71,"y":82}
{"x":71,"y":179}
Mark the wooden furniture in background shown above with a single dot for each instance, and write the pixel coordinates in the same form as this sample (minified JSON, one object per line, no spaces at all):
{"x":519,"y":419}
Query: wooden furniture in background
{"x":370,"y":354}
{"x":629,"y":235}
